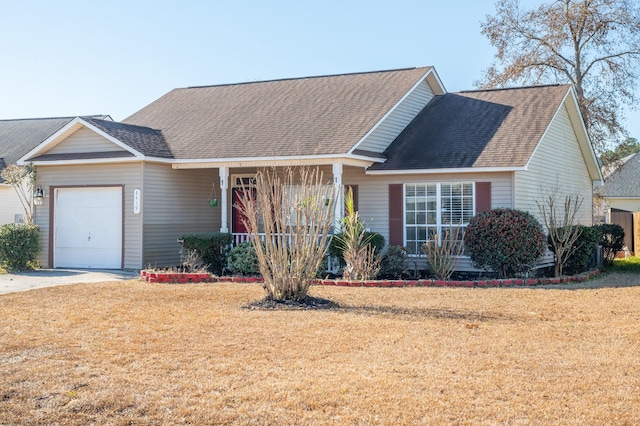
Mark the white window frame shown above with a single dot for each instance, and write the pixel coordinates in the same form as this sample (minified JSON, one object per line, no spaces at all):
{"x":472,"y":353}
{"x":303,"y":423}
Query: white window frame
{"x":438,"y":225}
{"x":246,"y":181}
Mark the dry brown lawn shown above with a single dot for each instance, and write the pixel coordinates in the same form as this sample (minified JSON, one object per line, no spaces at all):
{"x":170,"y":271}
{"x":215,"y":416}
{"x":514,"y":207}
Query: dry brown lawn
{"x":139,"y":353}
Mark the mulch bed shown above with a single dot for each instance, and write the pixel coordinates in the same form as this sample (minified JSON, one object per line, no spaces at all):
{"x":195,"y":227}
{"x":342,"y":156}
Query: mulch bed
{"x":305,"y":304}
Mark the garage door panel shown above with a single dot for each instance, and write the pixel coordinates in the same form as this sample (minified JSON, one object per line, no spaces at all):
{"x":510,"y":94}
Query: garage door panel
{"x":88,"y":227}
{"x":68,"y":238}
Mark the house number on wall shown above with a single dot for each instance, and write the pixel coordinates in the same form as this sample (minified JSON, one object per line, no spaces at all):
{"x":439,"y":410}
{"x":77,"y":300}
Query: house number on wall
{"x":136,"y":201}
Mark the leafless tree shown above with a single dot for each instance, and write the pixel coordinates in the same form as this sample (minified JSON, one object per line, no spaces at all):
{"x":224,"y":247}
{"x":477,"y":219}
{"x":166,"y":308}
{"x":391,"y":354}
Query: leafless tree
{"x":592,"y":44}
{"x":23,"y":180}
{"x":561,"y":223}
{"x":288,"y":218}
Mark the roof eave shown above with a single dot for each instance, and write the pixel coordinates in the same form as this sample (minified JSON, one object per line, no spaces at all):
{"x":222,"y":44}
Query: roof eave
{"x":294,"y":160}
{"x":452,"y":170}
{"x":61,"y":135}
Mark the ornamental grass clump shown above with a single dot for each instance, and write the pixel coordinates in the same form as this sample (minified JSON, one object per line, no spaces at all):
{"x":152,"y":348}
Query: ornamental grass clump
{"x":442,"y":255}
{"x":360,"y":256}
{"x":506,"y":241}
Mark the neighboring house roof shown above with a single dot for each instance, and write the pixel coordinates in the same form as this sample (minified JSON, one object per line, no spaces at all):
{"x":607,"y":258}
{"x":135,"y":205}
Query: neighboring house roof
{"x":304,"y":116}
{"x":476,"y":129}
{"x":624,"y":182}
{"x":18,"y":137}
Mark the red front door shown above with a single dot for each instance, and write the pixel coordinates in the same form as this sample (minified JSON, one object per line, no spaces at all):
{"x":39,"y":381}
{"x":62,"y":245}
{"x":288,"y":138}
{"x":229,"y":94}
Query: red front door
{"x":237,"y":226}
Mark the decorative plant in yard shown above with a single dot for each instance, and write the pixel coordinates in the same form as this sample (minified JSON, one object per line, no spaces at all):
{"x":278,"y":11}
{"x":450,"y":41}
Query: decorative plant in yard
{"x":361,"y":260}
{"x":506,"y":241}
{"x":612,"y":241}
{"x":582,"y":250}
{"x":560,"y":222}
{"x":441,"y":254}
{"x":212,"y":247}
{"x":23,"y":181}
{"x":19,"y":246}
{"x":393,"y":264}
{"x":242,"y":260}
{"x":293,"y":210}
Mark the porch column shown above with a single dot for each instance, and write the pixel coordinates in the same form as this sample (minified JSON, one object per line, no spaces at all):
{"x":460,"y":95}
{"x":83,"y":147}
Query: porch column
{"x":339,"y":195}
{"x":224,"y":186}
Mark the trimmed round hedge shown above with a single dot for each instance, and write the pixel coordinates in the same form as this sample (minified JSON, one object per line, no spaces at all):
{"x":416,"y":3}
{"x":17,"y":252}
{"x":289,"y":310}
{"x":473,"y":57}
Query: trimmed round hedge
{"x":506,"y":241}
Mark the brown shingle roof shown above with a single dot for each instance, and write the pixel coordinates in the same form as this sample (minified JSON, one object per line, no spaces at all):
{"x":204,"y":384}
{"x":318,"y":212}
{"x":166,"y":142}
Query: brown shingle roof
{"x":305,"y":116}
{"x":147,"y":141}
{"x":485,"y":128}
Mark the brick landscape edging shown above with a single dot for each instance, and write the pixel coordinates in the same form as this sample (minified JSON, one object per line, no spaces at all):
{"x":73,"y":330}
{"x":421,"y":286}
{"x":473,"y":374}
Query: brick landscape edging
{"x":469,"y":283}
{"x":182,"y":278}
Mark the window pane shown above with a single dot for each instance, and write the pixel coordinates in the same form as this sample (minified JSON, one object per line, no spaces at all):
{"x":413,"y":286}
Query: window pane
{"x":420,"y":191}
{"x":411,"y":233}
{"x":411,"y":205}
{"x":412,"y":248}
{"x":431,"y":190}
{"x":467,"y":216}
{"x":421,"y":218}
{"x":421,"y":204}
{"x":432,"y":218}
{"x":410,"y":190}
{"x":410,"y":218}
{"x":422,"y":234}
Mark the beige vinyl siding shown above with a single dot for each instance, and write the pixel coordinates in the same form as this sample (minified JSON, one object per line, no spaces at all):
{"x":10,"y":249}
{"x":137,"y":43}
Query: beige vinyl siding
{"x":556,"y":165}
{"x":84,"y":140}
{"x":401,"y":116}
{"x":175,"y":202}
{"x":373,"y":191}
{"x":10,"y":205}
{"x":129,"y":175}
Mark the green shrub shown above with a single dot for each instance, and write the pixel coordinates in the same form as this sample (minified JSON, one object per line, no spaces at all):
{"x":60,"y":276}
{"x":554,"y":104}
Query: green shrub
{"x":335,"y":250}
{"x":628,"y":264}
{"x":19,"y":246}
{"x":394,"y":263}
{"x":582,"y":250}
{"x":612,"y":241}
{"x":506,"y":241}
{"x":212,"y":247}
{"x":242,"y":260}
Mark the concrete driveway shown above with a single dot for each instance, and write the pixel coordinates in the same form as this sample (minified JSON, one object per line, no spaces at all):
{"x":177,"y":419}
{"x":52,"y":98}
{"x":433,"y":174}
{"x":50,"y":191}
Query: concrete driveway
{"x":22,"y":281}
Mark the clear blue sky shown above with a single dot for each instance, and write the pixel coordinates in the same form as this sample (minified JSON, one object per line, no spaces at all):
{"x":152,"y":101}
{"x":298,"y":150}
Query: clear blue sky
{"x":114,"y":57}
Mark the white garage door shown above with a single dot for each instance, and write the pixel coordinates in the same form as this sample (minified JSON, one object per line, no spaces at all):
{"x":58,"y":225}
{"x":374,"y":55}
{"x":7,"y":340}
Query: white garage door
{"x":88,"y":228}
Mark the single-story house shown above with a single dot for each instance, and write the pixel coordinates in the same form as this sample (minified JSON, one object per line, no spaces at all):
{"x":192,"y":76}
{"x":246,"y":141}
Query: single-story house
{"x":621,"y":195}
{"x":119,"y":194}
